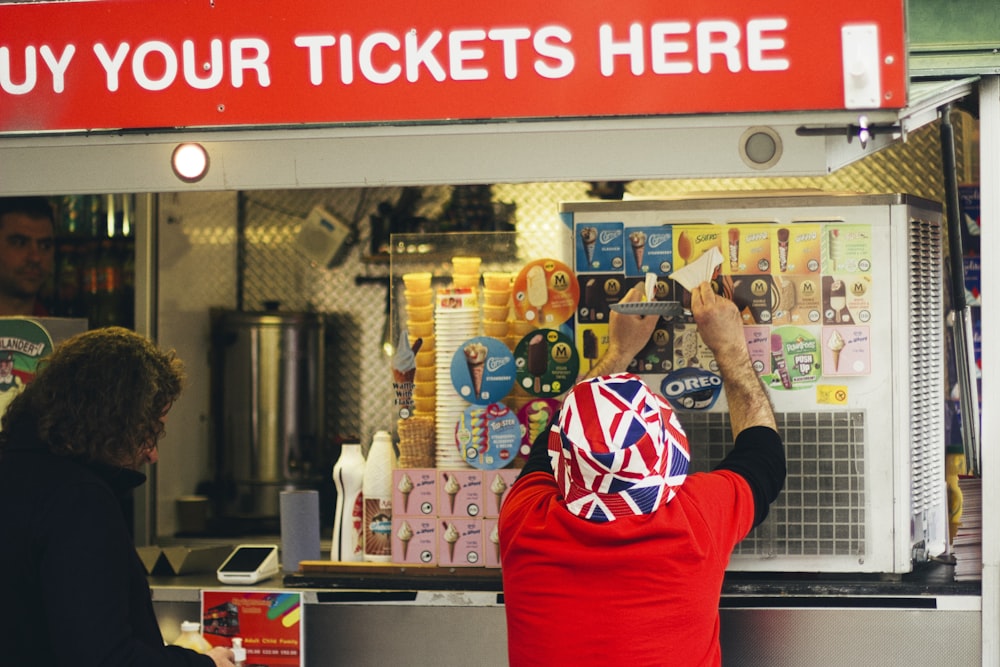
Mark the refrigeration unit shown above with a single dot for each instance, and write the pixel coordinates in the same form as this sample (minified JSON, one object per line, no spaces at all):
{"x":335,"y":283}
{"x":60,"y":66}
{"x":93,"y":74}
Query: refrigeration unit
{"x":842,"y":302}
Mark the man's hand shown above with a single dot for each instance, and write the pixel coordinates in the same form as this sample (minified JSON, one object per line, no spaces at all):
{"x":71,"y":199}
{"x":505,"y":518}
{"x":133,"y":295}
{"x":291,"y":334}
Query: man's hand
{"x":627,"y":335}
{"x":719,"y":324}
{"x":721,"y":328}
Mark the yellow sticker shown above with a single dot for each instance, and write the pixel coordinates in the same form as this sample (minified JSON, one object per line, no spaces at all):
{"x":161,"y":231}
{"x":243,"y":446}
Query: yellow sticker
{"x":829,"y":394}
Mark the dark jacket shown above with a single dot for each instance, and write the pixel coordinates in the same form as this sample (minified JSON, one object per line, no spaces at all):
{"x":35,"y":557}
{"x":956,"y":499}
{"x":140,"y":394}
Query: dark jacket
{"x":74,"y":590}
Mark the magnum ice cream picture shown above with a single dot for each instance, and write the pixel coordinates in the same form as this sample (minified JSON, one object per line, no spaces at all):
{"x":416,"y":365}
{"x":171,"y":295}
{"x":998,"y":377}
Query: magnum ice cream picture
{"x":547,"y":363}
{"x":545,"y":293}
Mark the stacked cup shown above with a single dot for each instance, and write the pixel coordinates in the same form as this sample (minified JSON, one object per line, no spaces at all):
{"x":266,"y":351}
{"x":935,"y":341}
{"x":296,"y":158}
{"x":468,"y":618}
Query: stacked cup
{"x":420,"y":325}
{"x":456,"y":321}
{"x":465,"y":272}
{"x":496,"y":304}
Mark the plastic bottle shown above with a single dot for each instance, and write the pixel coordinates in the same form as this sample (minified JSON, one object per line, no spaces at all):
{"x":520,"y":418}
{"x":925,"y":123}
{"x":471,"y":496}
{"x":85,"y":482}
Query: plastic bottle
{"x":348,"y":477}
{"x":239,"y":653}
{"x":192,"y":638}
{"x":377,"y":491}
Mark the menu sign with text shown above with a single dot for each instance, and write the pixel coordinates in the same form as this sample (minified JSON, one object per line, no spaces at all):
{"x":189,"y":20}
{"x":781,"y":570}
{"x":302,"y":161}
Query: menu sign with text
{"x":120,"y":64}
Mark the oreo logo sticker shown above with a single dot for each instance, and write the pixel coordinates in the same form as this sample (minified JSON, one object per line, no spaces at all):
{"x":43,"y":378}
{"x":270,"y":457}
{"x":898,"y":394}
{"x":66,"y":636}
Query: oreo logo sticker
{"x":691,"y":388}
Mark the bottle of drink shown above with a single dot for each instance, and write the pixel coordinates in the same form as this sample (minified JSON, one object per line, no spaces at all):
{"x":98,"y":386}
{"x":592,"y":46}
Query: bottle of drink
{"x":68,"y":291}
{"x":90,"y":288}
{"x":192,"y":638}
{"x":109,"y":286}
{"x":348,"y":477}
{"x":377,"y":491}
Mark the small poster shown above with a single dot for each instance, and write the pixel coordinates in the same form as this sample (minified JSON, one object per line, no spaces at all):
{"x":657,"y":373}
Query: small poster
{"x":270,"y":624}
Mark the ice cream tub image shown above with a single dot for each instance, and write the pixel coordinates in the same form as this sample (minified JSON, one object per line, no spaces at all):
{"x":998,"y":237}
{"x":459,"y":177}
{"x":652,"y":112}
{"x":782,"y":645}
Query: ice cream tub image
{"x":460,"y":542}
{"x":460,"y":493}
{"x":414,"y":540}
{"x":482,"y":370}
{"x":414,"y":491}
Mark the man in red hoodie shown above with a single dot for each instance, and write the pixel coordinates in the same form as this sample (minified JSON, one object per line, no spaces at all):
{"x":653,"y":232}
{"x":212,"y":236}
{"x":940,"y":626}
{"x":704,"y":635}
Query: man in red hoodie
{"x":611,"y":553}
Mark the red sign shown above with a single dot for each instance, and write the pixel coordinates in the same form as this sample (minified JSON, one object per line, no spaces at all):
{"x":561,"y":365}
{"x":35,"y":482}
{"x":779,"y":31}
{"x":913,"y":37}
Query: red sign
{"x":112,"y":64}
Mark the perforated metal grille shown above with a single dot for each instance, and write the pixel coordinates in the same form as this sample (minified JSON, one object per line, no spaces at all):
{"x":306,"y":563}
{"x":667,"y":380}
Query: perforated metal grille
{"x":821,"y":511}
{"x":926,"y":371}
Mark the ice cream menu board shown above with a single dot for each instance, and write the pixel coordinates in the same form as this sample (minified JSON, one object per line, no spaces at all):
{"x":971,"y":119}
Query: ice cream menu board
{"x":803,"y":290}
{"x":269,"y":623}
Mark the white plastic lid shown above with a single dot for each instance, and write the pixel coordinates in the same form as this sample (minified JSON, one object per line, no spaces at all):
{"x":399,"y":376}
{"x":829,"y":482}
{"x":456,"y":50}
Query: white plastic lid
{"x":190,"y":626}
{"x":239,"y":653}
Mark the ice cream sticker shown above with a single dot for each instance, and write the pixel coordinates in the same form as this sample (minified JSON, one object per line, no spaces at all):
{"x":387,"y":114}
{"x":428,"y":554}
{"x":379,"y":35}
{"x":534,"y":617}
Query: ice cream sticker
{"x":649,"y":249}
{"x":535,"y":416}
{"x":796,"y":358}
{"x":488,"y":437}
{"x":546,"y":293}
{"x":482,"y":370}
{"x":600,"y":246}
{"x":547,"y":363}
{"x":846,"y":351}
{"x":404,"y":369}
{"x":847,"y":248}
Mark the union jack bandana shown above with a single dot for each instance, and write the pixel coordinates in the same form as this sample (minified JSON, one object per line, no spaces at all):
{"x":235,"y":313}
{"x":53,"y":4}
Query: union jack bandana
{"x":618,"y":449}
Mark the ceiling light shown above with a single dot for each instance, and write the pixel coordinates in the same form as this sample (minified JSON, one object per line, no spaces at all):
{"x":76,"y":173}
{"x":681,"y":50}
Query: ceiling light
{"x":190,"y":162}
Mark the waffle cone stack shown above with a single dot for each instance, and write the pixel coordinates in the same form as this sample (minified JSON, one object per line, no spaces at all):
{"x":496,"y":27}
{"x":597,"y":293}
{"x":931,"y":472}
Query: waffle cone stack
{"x":416,"y":442}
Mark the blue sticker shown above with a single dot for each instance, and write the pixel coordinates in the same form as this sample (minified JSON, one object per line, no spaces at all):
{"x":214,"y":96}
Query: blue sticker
{"x":691,"y":389}
{"x":488,"y":437}
{"x":482,"y":370}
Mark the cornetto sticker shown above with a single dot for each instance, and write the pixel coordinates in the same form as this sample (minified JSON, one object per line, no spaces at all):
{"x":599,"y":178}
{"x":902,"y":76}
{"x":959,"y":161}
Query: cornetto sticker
{"x":691,"y":389}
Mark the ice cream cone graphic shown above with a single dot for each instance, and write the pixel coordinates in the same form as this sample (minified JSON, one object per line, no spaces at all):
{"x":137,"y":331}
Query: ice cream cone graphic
{"x":638,"y":241}
{"x":451,"y":538}
{"x":451,"y":487}
{"x":405,"y":486}
{"x":475,"y":360}
{"x":836,"y":345}
{"x":589,"y":237}
{"x":405,"y":534}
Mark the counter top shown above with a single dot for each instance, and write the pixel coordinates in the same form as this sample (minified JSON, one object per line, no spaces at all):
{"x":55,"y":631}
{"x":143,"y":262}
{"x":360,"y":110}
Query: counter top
{"x":325,"y":581}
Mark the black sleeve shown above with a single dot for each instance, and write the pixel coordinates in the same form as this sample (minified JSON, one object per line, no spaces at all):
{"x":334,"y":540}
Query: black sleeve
{"x":758,"y":456}
{"x":538,"y":459}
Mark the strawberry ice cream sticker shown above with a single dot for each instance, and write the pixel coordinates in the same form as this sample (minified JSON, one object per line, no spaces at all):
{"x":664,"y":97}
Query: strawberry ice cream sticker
{"x":482,"y":370}
{"x":488,"y":437}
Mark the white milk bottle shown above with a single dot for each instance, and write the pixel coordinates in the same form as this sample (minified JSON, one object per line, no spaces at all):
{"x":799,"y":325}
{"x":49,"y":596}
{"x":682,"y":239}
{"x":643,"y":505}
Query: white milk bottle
{"x":348,"y":477}
{"x":377,"y":492}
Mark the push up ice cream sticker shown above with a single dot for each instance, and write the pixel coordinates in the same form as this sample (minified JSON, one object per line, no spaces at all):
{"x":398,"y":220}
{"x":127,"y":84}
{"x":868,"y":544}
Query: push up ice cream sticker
{"x":796,"y":358}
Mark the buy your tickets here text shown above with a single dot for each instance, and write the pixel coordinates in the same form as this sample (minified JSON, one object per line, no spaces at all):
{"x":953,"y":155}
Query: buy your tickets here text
{"x":664,"y":48}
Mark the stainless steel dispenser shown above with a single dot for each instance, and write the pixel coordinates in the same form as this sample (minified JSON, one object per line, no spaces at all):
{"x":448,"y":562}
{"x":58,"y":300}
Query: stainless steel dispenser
{"x":267,"y":410}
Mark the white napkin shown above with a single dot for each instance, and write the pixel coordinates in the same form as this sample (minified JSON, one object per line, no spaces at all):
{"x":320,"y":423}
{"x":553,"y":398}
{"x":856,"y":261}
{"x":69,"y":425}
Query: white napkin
{"x":699,"y":270}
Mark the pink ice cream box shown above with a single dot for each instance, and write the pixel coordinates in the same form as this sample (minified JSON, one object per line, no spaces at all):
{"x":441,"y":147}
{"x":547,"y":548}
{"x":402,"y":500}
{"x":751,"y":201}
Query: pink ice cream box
{"x":414,"y":540}
{"x":491,"y":543}
{"x":460,"y":542}
{"x":496,"y":486}
{"x":414,"y":492}
{"x":460,"y":493}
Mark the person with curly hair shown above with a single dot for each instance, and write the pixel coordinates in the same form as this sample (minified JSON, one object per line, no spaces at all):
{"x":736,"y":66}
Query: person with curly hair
{"x":73,"y":444}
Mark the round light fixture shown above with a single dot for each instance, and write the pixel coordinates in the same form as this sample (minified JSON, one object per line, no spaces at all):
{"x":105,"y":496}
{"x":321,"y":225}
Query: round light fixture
{"x":190,"y":162}
{"x":760,"y":147}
